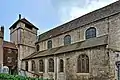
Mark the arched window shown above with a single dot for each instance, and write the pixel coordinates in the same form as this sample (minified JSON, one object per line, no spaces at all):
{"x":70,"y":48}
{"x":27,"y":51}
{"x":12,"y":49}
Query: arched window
{"x":41,"y":66}
{"x":49,"y":44}
{"x":51,"y":65}
{"x":83,"y":64}
{"x":61,"y":65}
{"x":26,"y":65}
{"x":67,"y":40}
{"x":90,"y":32}
{"x":118,"y":71}
{"x":37,"y":47}
{"x":33,"y":66}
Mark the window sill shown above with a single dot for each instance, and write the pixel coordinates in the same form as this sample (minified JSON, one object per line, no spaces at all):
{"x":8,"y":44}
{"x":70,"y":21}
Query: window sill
{"x":60,"y":72}
{"x":41,"y":72}
{"x":50,"y":72}
{"x":83,"y":73}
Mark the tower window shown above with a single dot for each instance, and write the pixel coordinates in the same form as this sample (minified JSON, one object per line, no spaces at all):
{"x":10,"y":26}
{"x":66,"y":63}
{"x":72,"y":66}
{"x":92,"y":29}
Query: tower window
{"x":14,"y":27}
{"x":29,"y":27}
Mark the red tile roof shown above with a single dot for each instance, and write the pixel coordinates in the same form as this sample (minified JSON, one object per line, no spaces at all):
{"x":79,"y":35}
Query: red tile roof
{"x":9,"y":45}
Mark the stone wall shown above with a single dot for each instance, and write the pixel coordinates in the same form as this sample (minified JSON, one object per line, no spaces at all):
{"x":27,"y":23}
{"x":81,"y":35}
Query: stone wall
{"x":114,"y":32}
{"x":102,"y":59}
{"x":98,"y":65}
{"x":25,"y":39}
{"x":78,"y":34}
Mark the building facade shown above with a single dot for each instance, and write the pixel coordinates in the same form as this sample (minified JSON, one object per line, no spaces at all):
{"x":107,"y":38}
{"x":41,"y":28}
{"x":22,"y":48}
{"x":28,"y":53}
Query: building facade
{"x":24,"y":35}
{"x":87,"y":48}
{"x":8,"y":54}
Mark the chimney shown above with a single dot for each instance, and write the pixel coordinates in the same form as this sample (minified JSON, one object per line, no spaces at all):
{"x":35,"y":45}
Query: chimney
{"x":2,"y":31}
{"x":19,"y":16}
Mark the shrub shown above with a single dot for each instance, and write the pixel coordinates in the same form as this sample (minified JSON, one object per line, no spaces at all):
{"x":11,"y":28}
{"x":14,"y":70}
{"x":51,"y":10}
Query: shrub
{"x":4,"y":76}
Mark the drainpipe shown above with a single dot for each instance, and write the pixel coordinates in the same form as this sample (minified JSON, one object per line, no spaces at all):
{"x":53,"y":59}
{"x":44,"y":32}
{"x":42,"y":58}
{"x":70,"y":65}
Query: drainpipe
{"x":55,"y":67}
{"x":1,"y":46}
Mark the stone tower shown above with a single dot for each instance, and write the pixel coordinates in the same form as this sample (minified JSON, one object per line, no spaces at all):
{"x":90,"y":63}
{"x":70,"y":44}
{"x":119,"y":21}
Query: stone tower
{"x":24,"y":35}
{"x":1,"y":45}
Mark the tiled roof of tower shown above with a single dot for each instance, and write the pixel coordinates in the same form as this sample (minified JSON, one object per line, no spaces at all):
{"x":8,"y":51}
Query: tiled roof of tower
{"x":96,"y":15}
{"x":9,"y":45}
{"x":24,"y":21}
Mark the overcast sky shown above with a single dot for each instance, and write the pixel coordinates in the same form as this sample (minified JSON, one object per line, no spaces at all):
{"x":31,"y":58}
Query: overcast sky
{"x":46,"y":14}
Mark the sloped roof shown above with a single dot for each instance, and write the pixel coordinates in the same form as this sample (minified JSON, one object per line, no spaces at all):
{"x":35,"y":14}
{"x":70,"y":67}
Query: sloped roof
{"x":93,"y":42}
{"x":24,"y":21}
{"x":9,"y":45}
{"x":101,"y":13}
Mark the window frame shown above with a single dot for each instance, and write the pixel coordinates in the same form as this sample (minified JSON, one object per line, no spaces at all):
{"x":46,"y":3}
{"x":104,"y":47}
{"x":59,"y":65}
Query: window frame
{"x":41,"y":65}
{"x":37,"y":47}
{"x":49,"y":44}
{"x":67,"y":40}
{"x":26,"y":65}
{"x":33,"y":66}
{"x":83,"y":63}
{"x":51,"y":65}
{"x":90,"y":33}
{"x":61,"y":65}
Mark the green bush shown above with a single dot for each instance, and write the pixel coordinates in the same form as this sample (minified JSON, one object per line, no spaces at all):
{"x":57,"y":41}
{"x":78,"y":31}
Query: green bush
{"x":4,"y":76}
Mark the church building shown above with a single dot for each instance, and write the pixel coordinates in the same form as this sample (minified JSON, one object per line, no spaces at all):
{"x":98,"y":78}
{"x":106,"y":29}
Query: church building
{"x":86,"y":48}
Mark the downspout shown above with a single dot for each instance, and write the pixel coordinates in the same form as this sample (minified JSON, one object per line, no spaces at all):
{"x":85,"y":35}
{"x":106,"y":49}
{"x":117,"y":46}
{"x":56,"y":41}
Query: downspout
{"x":65,"y":66}
{"x":56,"y":67}
{"x":108,"y":42}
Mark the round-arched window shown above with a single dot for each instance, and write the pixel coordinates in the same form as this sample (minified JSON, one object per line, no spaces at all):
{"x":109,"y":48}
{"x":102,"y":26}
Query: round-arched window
{"x":90,"y":32}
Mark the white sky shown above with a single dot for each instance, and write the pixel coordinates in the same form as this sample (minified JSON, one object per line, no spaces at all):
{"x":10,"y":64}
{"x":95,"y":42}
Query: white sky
{"x":46,"y":14}
{"x":70,"y":9}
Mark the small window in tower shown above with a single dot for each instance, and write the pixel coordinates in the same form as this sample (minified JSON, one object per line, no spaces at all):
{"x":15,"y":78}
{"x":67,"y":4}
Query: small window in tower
{"x":29,"y":27}
{"x":14,"y":27}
